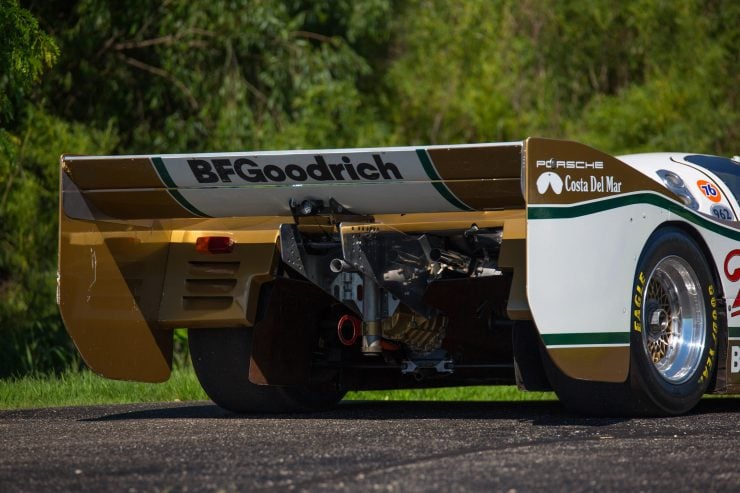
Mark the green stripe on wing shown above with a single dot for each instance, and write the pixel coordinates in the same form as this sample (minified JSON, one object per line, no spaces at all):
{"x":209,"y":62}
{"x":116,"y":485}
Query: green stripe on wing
{"x":164,"y":175}
{"x":437,"y":182}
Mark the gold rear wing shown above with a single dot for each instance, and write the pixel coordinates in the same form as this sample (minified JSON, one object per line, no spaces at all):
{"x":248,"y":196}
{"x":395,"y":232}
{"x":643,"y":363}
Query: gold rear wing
{"x":398,"y":180}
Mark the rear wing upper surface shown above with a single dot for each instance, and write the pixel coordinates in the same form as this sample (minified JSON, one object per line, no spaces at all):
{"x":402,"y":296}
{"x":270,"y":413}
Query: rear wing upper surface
{"x":362,"y":181}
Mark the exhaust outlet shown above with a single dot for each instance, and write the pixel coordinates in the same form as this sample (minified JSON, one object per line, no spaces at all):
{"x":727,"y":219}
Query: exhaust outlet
{"x":338,"y":265}
{"x":349,"y":329}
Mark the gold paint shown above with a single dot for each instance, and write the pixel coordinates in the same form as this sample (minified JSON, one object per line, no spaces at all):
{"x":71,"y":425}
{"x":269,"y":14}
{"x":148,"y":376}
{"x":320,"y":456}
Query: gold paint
{"x":477,"y":162}
{"x":111,"y":318}
{"x":239,"y":278}
{"x":448,"y":221}
{"x":240,"y":237}
{"x":601,"y":364}
{"x":489,"y":194}
{"x":137,"y":204}
{"x":482,"y":177}
{"x":515,"y":229}
{"x":112,"y":285}
{"x":514,"y":256}
{"x":111,"y":172}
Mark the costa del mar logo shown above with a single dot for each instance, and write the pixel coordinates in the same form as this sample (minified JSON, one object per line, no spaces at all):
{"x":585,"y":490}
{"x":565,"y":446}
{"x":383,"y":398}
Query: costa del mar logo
{"x":548,"y":180}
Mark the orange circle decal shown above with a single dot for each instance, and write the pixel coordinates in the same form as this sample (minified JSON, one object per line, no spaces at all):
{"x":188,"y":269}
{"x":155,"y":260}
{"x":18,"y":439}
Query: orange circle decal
{"x":710,"y":190}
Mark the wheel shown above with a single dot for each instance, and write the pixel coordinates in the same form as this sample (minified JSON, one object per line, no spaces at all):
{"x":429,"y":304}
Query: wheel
{"x":674,"y":323}
{"x":221,"y":360}
{"x":673,"y":336}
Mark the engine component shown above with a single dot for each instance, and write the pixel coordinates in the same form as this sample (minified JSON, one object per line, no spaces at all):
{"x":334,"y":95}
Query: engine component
{"x":434,"y":362}
{"x":451,"y":260}
{"x":309,"y":259}
{"x":338,"y":265}
{"x":349,"y":329}
{"x":404,"y":265}
{"x":347,"y":288}
{"x":371,"y":331}
{"x":395,"y":261}
{"x":416,"y":332}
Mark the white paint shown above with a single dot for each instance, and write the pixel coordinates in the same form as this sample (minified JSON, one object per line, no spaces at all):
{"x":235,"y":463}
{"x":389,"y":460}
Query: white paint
{"x":580,"y":271}
{"x":360,"y":198}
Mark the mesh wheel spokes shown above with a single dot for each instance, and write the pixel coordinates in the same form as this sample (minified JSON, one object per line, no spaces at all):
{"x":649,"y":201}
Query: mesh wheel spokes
{"x":674,"y":320}
{"x":661,"y":320}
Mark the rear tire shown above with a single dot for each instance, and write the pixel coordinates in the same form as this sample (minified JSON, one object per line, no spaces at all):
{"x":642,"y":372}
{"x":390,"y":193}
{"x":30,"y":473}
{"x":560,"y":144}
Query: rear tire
{"x":674,"y":331}
{"x":221,"y":358}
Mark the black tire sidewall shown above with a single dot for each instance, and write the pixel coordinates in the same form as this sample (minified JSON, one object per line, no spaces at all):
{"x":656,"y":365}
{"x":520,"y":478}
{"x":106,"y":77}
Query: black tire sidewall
{"x":221,"y":359}
{"x":668,"y":397}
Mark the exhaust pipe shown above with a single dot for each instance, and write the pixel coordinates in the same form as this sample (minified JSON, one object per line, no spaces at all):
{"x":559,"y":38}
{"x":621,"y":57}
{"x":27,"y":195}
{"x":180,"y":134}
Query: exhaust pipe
{"x":371,"y":330}
{"x":338,"y":265}
{"x":354,"y":325}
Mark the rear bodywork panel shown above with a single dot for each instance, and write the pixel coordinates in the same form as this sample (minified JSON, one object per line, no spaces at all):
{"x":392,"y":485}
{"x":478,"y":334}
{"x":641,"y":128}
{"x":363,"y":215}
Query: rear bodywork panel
{"x":462,"y":246}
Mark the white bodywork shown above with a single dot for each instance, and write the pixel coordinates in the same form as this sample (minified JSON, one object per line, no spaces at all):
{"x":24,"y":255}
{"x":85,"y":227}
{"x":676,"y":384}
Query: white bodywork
{"x":582,"y":256}
{"x":695,"y":177}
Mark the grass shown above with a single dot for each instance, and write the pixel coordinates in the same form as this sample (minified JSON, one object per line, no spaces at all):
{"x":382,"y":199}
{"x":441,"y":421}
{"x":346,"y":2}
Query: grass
{"x":77,"y":388}
{"x":481,"y":393}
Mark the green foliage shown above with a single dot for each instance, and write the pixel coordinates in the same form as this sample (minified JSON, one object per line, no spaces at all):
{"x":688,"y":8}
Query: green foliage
{"x":688,"y":99}
{"x":253,"y":74}
{"x":626,"y":76}
{"x":207,"y":75}
{"x":32,"y":333}
{"x":26,"y":51}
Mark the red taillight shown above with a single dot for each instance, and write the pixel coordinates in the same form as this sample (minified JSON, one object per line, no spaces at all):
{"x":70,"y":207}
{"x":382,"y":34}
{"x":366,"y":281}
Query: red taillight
{"x":214,"y":244}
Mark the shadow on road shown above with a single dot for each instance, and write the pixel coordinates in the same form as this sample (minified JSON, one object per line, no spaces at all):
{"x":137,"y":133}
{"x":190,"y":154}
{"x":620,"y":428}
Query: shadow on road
{"x":546,"y":413}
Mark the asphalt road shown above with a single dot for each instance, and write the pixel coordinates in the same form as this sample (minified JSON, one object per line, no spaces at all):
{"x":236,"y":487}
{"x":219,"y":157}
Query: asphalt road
{"x":368,"y":446}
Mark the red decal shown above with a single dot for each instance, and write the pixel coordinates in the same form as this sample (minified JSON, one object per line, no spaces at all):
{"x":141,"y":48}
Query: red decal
{"x":710,"y":191}
{"x":735,"y":310}
{"x":733,"y":276}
